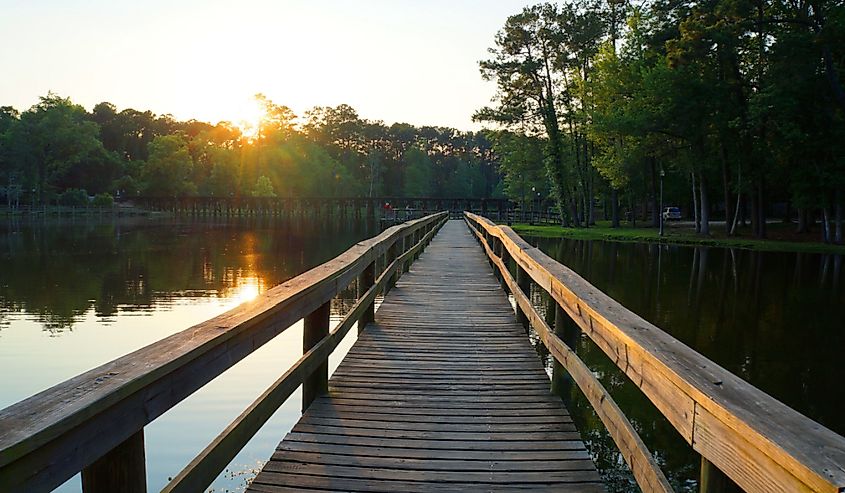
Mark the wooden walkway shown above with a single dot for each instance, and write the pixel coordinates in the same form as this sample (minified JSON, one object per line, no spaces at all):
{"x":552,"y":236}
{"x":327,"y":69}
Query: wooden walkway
{"x":442,"y":393}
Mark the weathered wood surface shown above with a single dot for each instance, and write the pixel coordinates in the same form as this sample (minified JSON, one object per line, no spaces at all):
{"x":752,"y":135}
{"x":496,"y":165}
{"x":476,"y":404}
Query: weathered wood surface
{"x":642,"y":464}
{"x":49,"y":437}
{"x":759,"y":442}
{"x":442,"y":393}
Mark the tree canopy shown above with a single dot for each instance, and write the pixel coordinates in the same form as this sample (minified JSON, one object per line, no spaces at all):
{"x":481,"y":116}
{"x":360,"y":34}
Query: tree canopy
{"x":57,"y":146}
{"x":738,"y":103}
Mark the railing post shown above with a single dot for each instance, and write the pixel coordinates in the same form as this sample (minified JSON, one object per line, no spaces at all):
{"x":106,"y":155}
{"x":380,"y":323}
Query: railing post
{"x":365,"y":281}
{"x":392,"y":254}
{"x":713,"y":480}
{"x":569,"y":332}
{"x":315,"y":328}
{"x":406,"y":245}
{"x":524,"y":283}
{"x":122,"y":469}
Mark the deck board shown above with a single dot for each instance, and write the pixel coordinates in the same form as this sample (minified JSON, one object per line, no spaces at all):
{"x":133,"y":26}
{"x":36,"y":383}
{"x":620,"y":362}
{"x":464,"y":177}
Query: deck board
{"x":442,"y":393}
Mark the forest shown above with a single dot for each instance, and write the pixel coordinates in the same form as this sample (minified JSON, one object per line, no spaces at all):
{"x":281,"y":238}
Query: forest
{"x":59,"y":153}
{"x":737,"y":105}
{"x":731,"y":110}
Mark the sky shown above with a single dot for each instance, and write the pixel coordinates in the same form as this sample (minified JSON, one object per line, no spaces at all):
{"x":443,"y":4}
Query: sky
{"x":413,"y":61}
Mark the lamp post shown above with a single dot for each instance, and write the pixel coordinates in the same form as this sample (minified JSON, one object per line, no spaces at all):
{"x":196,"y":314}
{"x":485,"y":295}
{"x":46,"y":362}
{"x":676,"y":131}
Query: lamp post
{"x":662,"y":174}
{"x":533,"y":193}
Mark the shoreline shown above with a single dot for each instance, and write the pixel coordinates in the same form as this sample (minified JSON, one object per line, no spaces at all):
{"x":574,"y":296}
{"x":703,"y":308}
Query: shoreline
{"x":648,"y":235}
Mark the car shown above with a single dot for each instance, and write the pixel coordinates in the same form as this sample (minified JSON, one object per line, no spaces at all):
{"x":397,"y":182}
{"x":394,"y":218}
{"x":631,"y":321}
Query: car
{"x":672,"y":214}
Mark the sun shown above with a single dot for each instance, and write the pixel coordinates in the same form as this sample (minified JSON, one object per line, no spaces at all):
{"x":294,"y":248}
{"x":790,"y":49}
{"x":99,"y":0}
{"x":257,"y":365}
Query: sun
{"x":247,"y":290}
{"x":248,"y":116}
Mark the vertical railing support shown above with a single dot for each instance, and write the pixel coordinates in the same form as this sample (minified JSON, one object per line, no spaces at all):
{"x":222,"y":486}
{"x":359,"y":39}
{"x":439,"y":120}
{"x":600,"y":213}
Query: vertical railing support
{"x":123,"y":469}
{"x":569,"y":332}
{"x":365,"y":281}
{"x":523,"y":280}
{"x":713,"y":480}
{"x":506,"y":259}
{"x":407,"y":243}
{"x":315,"y":328}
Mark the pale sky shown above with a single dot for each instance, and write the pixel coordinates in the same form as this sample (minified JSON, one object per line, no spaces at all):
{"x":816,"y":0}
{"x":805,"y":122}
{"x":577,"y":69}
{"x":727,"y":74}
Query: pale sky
{"x":392,"y":60}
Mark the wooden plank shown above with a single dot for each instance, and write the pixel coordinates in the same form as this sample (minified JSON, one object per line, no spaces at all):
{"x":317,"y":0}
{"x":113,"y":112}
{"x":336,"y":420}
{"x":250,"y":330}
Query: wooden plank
{"x":454,"y":465}
{"x":755,"y":439}
{"x":270,"y":481}
{"x":537,"y":457}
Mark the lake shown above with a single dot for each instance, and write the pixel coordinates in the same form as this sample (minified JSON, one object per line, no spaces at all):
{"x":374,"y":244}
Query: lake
{"x":80,"y":292}
{"x":777,"y":320}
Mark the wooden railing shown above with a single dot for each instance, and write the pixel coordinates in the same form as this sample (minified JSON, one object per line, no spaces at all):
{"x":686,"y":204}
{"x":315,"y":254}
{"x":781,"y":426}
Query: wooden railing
{"x":94,"y":422}
{"x":758,"y":442}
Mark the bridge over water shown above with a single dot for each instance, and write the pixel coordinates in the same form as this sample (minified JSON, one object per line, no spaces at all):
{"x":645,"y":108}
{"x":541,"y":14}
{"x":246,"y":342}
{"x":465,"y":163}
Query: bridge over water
{"x":441,"y":392}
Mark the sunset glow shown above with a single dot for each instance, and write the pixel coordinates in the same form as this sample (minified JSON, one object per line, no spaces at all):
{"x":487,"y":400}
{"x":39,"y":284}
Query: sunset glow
{"x":247,"y":117}
{"x":300,"y":54}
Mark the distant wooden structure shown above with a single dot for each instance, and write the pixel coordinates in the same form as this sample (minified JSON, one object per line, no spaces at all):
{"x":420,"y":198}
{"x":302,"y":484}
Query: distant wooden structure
{"x":388,"y":207}
{"x":440,"y":393}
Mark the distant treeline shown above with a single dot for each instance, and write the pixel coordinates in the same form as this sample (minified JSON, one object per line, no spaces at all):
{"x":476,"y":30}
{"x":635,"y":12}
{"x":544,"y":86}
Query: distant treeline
{"x":58,"y":153}
{"x":740,"y":103}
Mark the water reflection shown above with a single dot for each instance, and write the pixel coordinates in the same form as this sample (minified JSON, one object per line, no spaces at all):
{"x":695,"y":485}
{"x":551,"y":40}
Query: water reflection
{"x":76,"y":294}
{"x":774,"y":319}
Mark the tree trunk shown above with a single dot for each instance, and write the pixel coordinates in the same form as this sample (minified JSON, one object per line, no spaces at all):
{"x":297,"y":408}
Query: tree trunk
{"x":837,"y":236}
{"x":761,"y":207}
{"x":755,"y":216}
{"x":655,"y":213}
{"x":614,"y":207}
{"x":732,"y":231}
{"x":705,"y":206}
{"x":695,"y":205}
{"x":633,"y":213}
{"x":591,"y":219}
{"x":825,"y":225}
{"x":726,"y":189}
{"x":802,"y":221}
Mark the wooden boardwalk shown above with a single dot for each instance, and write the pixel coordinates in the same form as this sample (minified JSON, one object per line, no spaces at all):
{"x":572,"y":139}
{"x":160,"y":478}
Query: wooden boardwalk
{"x":442,"y":393}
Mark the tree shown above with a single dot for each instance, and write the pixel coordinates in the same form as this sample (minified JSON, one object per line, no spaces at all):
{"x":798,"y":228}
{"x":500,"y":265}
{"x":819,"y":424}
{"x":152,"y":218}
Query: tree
{"x":263,"y":187}
{"x":168,"y":168}
{"x":523,"y":67}
{"x":419,"y":173}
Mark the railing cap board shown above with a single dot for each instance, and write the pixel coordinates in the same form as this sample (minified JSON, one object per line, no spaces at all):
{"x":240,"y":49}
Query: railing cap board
{"x":35,"y":421}
{"x":812,"y":453}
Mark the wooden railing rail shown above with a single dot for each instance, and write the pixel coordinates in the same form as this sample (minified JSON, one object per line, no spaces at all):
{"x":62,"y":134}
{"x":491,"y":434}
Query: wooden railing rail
{"x":757,"y":441}
{"x":94,"y":422}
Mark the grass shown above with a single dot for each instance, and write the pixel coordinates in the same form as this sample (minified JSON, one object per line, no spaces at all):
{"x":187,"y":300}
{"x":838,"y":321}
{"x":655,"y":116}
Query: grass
{"x":782,"y":237}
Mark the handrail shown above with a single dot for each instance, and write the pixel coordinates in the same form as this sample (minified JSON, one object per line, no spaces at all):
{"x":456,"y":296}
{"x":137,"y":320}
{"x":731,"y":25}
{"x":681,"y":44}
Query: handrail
{"x":757,"y":441}
{"x":90,"y":418}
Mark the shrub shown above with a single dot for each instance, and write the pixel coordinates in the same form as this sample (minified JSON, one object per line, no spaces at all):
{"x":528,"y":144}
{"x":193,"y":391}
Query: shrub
{"x":74,"y":197}
{"x":104,"y":200}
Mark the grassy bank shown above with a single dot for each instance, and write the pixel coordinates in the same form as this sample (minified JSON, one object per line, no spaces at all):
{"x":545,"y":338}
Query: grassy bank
{"x":782,"y":237}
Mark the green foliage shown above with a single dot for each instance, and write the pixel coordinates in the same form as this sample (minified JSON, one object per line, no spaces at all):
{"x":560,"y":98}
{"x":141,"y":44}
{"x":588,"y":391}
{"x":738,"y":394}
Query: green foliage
{"x":168,"y":168}
{"x":73,"y":197}
{"x":745,"y":95}
{"x":103,"y":200}
{"x":419,"y":173}
{"x":263,"y":188}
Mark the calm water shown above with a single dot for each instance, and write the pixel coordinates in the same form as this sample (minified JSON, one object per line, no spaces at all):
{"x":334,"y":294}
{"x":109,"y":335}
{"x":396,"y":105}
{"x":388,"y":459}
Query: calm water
{"x":774,"y":319}
{"x":74,"y":295}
